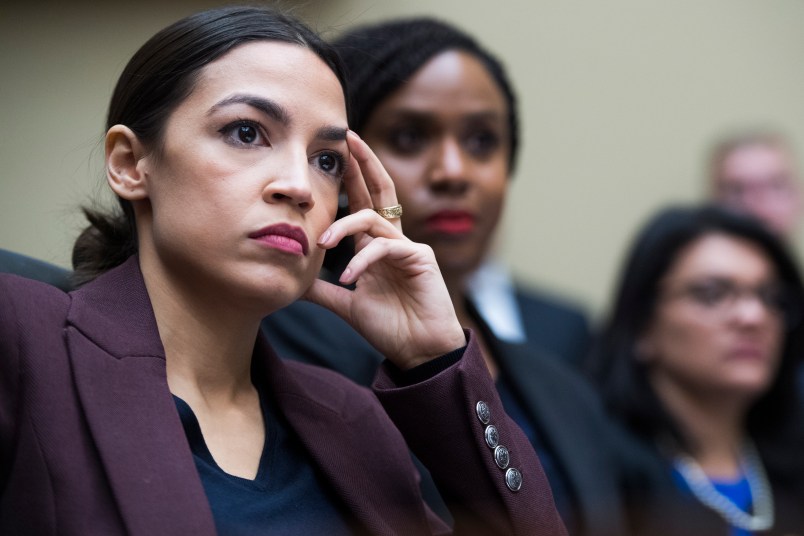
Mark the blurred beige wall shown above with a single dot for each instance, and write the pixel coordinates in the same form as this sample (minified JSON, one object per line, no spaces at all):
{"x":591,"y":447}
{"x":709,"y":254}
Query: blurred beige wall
{"x":620,"y":101}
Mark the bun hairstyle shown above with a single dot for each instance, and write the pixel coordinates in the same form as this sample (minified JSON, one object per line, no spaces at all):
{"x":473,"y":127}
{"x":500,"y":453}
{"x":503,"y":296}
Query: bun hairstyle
{"x":160,"y":75}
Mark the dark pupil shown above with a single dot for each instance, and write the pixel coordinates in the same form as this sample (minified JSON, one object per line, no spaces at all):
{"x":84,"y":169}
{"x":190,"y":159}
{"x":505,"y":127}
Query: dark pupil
{"x":247,"y":134}
{"x":327,"y":162}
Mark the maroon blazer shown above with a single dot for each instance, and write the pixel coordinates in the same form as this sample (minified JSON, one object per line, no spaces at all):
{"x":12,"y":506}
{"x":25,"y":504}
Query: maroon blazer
{"x":91,"y":442}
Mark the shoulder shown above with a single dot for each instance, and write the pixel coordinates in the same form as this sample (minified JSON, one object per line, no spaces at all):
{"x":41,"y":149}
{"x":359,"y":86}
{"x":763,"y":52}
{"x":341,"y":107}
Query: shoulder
{"x":25,"y":300}
{"x":14,"y":263}
{"x":538,"y":300}
{"x":32,"y":315}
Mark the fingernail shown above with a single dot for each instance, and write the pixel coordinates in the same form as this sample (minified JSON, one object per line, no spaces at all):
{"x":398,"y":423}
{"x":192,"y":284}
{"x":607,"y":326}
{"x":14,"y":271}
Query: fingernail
{"x":346,"y":276}
{"x":324,"y":238}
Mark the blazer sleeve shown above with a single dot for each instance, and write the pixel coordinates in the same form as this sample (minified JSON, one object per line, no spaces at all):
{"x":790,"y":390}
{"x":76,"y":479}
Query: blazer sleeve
{"x":9,"y":374}
{"x":455,"y":424}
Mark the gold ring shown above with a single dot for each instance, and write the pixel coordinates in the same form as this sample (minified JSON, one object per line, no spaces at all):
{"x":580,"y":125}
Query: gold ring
{"x":389,"y":213}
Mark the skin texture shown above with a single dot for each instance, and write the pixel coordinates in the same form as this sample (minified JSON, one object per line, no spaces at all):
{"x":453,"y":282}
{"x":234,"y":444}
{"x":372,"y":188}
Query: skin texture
{"x":760,"y":179}
{"x":261,"y":142}
{"x":703,"y":352}
{"x":443,"y":139}
{"x":208,"y":190}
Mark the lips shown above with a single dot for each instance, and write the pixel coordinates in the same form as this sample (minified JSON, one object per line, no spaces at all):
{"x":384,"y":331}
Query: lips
{"x":451,"y":222}
{"x":284,"y":237}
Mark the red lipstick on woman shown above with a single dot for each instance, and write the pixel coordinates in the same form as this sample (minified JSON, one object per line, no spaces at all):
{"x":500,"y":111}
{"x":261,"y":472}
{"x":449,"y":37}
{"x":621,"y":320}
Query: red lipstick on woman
{"x":451,"y":222}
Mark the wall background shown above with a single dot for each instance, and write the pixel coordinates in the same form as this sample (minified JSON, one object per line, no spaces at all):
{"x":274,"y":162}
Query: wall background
{"x":620,"y":101}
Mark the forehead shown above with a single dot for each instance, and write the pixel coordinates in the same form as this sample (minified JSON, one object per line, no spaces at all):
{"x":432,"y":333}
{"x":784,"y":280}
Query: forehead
{"x":722,"y":255}
{"x":755,"y":160}
{"x":452,"y":79}
{"x":290,"y":74}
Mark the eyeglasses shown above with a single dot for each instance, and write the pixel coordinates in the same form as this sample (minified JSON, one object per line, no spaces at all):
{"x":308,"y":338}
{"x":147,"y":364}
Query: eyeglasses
{"x":721,"y":295}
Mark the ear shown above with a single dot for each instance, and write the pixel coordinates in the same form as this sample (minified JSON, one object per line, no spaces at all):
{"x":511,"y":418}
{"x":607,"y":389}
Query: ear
{"x":124,"y":164}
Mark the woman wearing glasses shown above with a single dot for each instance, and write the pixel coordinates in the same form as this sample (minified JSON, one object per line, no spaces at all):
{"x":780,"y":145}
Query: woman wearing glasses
{"x":699,"y":360}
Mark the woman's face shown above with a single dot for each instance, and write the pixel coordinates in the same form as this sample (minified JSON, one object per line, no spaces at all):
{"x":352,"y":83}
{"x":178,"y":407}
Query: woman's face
{"x":247,"y":175}
{"x":717,"y":329}
{"x":443,"y":137}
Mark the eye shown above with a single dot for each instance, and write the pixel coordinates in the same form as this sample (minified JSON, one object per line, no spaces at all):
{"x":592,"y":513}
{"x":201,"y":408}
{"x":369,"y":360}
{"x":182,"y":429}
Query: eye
{"x":712,"y":293}
{"x":482,"y":142}
{"x":407,"y":139}
{"x":244,"y":133}
{"x":331,"y":163}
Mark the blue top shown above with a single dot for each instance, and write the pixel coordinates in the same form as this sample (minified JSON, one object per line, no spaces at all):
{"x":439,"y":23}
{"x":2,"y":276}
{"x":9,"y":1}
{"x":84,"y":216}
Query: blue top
{"x":737,"y":491}
{"x":288,"y":495}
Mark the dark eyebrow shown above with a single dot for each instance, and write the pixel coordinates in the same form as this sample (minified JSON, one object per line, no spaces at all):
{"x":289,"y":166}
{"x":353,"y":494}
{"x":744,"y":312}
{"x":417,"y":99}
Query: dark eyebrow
{"x":266,"y":106}
{"x":331,"y":134}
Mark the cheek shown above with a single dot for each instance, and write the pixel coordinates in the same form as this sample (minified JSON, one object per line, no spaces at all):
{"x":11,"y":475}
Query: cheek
{"x":680,"y":343}
{"x":326,"y":205}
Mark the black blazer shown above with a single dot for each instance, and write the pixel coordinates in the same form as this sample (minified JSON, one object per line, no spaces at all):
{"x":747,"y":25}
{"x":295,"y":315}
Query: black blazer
{"x":554,"y":325}
{"x":559,"y":402}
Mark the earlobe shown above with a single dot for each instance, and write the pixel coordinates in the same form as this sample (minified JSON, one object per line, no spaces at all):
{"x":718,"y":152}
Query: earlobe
{"x":124,"y":159}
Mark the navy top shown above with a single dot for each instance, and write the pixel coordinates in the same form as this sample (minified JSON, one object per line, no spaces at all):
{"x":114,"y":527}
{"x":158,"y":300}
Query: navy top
{"x":288,"y":495}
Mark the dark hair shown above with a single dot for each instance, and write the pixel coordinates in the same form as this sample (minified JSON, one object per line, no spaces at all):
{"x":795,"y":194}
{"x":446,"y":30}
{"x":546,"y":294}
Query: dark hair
{"x":774,"y":419}
{"x":381,"y":57}
{"x":160,"y":75}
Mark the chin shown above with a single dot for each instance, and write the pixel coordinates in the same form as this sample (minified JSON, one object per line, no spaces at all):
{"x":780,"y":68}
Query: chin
{"x":749,"y":386}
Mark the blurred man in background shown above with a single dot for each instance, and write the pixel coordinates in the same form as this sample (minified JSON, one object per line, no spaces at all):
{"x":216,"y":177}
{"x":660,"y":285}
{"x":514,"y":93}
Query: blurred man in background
{"x":755,"y":172}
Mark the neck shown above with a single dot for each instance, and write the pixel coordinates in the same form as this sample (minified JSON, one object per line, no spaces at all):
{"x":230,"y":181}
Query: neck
{"x":208,"y":346}
{"x":713,"y":426}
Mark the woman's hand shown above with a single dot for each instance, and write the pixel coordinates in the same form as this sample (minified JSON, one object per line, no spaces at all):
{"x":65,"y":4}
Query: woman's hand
{"x":400,"y":303}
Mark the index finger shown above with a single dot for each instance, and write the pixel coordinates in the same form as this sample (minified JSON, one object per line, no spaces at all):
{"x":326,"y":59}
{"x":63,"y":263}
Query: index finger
{"x":376,"y":184}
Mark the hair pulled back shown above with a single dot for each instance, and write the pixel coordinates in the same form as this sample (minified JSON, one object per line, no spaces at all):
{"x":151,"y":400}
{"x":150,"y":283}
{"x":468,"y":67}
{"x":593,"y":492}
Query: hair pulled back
{"x":380,"y":58}
{"x":160,"y":75}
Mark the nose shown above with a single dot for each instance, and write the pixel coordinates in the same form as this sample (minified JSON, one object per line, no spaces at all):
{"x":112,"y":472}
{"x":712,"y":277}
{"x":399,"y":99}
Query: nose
{"x":751,"y":311}
{"x":291,"y":183}
{"x":449,"y":174}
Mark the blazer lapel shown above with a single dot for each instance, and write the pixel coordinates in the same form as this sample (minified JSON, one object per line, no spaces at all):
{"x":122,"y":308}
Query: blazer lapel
{"x":366,"y":478}
{"x":119,"y":373}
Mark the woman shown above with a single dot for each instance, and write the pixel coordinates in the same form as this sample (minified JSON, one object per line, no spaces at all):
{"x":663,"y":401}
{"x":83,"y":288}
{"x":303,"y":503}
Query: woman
{"x":698,"y":360}
{"x":439,"y":109}
{"x":146,"y":403}
{"x":439,"y":112}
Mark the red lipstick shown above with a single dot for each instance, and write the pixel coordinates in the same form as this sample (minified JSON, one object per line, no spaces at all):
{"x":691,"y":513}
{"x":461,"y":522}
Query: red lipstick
{"x":284,"y":237}
{"x":452,"y":222}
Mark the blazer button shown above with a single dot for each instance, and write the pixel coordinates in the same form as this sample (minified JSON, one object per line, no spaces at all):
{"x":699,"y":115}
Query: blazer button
{"x":483,"y":412}
{"x":501,"y":457}
{"x":513,"y":479}
{"x":492,"y":436}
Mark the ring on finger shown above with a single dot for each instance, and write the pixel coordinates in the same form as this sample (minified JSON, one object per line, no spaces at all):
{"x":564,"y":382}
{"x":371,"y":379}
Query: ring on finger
{"x":389,"y":213}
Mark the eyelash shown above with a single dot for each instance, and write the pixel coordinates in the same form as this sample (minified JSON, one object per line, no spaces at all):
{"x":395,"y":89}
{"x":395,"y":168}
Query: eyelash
{"x":230,"y":132}
{"x":340,"y":162}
